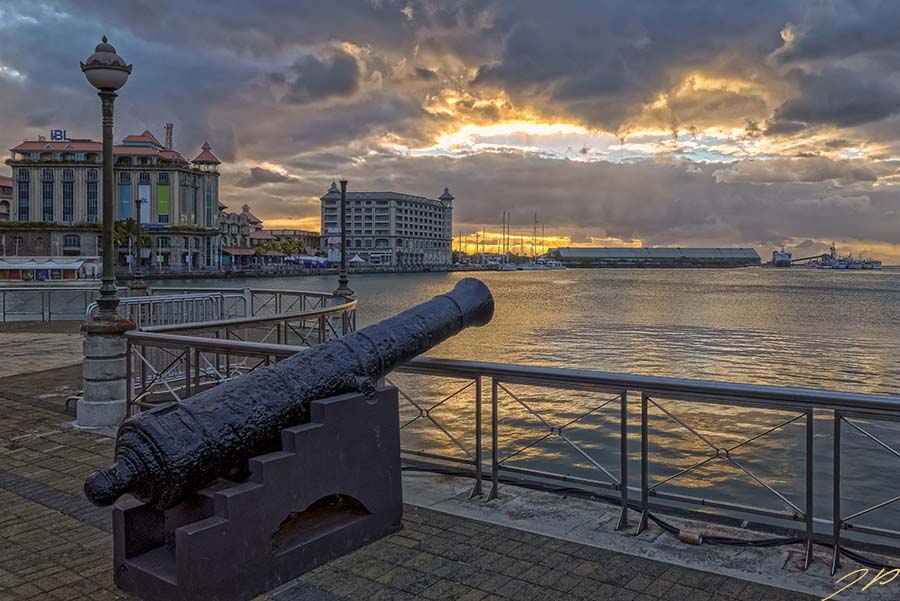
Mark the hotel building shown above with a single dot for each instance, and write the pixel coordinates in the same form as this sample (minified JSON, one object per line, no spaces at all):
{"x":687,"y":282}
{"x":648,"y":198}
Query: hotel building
{"x":389,"y":228}
{"x":59,"y":184}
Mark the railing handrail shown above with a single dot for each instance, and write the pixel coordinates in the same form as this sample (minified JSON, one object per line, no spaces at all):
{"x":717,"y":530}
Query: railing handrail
{"x":318,"y":294}
{"x":681,"y":388}
{"x":152,"y":338}
{"x":240,"y":321}
{"x":684,"y":388}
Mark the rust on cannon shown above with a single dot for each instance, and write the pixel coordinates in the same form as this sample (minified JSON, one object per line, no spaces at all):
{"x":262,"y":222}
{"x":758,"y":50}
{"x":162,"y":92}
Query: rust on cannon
{"x":166,"y":453}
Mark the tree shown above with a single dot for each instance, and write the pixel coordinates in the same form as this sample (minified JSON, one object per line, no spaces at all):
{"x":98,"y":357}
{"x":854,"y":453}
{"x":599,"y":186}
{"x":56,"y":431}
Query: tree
{"x":126,"y":230}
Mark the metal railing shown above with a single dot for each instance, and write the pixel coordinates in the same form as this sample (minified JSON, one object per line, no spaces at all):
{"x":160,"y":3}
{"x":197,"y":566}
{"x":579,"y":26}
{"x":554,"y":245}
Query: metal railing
{"x":668,"y":399}
{"x":263,"y":301}
{"x":40,"y":303}
{"x":157,"y":310}
{"x":626,"y":411}
{"x":172,"y":362}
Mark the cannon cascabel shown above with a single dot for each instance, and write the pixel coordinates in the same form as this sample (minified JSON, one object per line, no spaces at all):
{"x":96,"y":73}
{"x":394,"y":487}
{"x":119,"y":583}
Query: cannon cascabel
{"x":164,"y":454}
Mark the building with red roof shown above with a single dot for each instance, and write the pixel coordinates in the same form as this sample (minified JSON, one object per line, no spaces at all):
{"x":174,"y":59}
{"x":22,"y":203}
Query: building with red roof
{"x":59,"y":183}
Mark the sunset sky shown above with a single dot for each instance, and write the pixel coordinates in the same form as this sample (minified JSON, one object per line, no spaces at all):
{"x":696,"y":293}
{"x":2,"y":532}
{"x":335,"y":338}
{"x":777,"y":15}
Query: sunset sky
{"x":693,"y":123}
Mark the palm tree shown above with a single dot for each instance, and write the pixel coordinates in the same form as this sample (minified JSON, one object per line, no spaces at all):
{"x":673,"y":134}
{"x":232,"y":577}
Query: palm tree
{"x":127,"y":230}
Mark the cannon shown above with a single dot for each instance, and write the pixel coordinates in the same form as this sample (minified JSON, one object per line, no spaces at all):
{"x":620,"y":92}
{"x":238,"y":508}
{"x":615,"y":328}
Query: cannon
{"x":165,"y":454}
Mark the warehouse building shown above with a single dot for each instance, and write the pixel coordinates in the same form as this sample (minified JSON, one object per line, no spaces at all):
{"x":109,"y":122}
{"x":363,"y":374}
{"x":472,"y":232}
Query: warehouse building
{"x":656,"y":257}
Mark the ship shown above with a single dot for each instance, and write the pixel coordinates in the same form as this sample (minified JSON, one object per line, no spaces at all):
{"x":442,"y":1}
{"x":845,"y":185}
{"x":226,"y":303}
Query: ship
{"x":781,"y":258}
{"x":831,"y":260}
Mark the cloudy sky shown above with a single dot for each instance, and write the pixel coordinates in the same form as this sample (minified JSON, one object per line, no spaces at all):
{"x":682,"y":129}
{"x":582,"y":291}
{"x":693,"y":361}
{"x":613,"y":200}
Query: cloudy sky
{"x":696,"y":122}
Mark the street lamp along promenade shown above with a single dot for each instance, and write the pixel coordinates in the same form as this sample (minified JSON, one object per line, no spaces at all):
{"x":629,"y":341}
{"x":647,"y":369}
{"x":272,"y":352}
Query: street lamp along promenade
{"x":107,"y":71}
{"x":343,"y":288}
{"x":103,"y":403}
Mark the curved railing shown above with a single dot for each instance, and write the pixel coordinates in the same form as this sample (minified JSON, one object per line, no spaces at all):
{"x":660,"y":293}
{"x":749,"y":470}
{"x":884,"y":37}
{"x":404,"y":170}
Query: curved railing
{"x":181,"y":367}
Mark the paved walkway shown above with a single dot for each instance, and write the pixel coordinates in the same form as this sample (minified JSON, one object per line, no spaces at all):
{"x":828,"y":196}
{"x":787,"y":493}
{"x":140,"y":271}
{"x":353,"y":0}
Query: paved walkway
{"x":55,"y":545}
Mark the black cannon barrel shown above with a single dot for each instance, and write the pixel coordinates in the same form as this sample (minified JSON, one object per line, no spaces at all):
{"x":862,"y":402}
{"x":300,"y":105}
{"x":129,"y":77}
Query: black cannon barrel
{"x":166,"y":453}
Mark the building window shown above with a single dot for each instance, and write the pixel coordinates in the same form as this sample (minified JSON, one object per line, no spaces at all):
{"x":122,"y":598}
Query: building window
{"x":18,"y":243}
{"x":91,"y":175}
{"x":144,"y":178}
{"x":68,"y":200}
{"x":24,"y":175}
{"x":47,"y":174}
{"x":92,"y":197}
{"x":47,"y":196}
{"x":68,"y":175}
{"x":72,"y":241}
{"x":162,"y":178}
{"x":124,"y":177}
{"x":163,"y":242}
{"x":24,"y":212}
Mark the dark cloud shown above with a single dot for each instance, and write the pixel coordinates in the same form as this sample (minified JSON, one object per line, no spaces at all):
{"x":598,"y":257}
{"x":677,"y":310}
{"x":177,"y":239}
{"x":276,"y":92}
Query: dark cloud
{"x":840,"y":97}
{"x":426,"y":74}
{"x":801,"y":170}
{"x":260,"y":175}
{"x":319,"y":77}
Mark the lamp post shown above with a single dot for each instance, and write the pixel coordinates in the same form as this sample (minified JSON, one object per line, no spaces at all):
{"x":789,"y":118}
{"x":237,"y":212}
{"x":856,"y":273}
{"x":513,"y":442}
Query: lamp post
{"x":138,"y":286}
{"x":104,"y":402}
{"x":343,"y":289}
{"x":107,"y":71}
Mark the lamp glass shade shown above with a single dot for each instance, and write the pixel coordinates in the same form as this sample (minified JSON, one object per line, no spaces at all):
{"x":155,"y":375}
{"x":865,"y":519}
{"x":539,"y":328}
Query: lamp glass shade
{"x":106,"y":78}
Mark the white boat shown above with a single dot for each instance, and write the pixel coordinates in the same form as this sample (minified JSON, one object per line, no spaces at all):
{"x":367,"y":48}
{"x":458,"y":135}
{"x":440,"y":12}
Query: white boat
{"x":542,"y":265}
{"x":506,"y":267}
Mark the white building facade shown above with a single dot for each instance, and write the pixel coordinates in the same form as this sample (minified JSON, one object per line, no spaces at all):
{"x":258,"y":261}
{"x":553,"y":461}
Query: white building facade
{"x":390,"y":229}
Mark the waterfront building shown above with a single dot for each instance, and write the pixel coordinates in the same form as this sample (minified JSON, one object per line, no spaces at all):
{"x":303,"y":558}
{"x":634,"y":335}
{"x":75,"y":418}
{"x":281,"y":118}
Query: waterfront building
{"x":311,"y":241}
{"x":6,"y":186}
{"x":656,"y":257}
{"x":390,"y":228}
{"x":57,"y":203}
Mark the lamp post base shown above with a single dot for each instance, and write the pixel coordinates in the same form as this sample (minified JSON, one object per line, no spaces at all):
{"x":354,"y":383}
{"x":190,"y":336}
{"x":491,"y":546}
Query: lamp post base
{"x":105,"y":384}
{"x":138,"y":287}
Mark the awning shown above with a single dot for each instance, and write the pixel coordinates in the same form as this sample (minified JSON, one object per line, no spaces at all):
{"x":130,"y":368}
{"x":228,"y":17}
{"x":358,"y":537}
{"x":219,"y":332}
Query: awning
{"x":239,"y":252}
{"x":40,"y":265}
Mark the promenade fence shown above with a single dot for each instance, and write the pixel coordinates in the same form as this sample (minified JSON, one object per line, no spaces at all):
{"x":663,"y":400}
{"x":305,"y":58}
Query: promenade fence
{"x":480,"y":413}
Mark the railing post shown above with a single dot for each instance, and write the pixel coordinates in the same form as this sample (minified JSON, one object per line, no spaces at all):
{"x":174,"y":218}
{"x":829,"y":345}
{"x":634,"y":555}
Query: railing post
{"x":476,"y":492}
{"x":187,"y":372}
{"x":623,"y":449}
{"x":322,"y":332}
{"x":196,"y":371}
{"x":836,"y":499}
{"x":495,"y":452}
{"x":129,"y":385}
{"x":144,"y":371}
{"x":645,"y":471}
{"x":42,"y":304}
{"x":49,"y":305}
{"x":810,"y":527}
{"x":3,"y":293}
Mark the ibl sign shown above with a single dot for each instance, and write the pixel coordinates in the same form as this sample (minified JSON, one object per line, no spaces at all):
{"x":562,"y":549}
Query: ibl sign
{"x":58,"y":135}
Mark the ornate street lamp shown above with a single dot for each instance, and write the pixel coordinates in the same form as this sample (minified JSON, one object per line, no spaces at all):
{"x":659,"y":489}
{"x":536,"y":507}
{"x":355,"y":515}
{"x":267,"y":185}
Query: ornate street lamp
{"x":343,"y":289}
{"x":107,"y":71}
{"x":104,"y":397}
{"x":138,"y":286}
